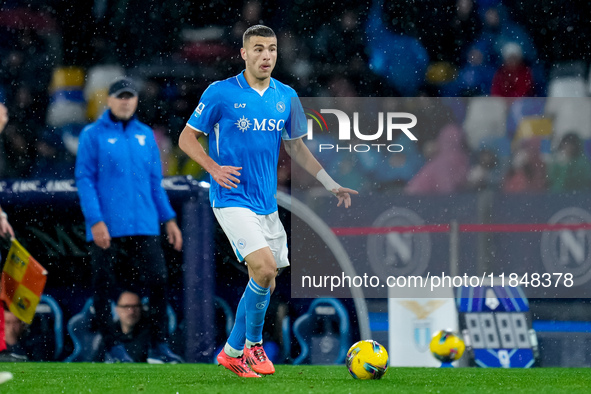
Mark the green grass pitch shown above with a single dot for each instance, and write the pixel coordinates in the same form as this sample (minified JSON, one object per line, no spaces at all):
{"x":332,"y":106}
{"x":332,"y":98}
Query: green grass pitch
{"x":207,"y":378}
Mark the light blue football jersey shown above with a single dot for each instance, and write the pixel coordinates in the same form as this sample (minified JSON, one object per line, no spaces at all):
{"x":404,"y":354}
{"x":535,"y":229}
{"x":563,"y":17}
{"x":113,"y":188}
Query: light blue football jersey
{"x":245,"y":130}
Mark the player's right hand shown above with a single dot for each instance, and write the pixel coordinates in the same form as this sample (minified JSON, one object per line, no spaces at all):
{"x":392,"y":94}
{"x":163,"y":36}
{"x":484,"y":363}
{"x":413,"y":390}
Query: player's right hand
{"x":6,"y":228}
{"x":226,"y":176}
{"x":100,"y":235}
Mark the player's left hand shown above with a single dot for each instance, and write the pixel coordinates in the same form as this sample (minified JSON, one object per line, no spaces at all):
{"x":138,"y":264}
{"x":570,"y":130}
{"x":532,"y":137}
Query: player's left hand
{"x":344,"y":195}
{"x":175,"y":238}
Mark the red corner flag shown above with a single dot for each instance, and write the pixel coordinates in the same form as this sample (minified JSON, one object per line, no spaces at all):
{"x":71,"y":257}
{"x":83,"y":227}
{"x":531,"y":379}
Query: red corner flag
{"x":23,"y":280}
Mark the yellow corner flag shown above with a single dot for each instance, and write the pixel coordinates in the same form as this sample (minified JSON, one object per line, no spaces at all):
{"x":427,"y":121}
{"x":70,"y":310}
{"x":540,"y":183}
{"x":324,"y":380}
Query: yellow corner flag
{"x":23,"y":280}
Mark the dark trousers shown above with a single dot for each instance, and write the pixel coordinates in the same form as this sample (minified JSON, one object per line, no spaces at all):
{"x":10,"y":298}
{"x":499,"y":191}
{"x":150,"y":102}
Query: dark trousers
{"x":135,"y":264}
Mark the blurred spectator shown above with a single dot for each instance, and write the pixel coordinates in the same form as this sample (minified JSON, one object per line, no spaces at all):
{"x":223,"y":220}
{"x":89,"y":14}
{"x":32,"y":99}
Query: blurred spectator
{"x":528,"y":171}
{"x":569,"y":115}
{"x":23,"y":342}
{"x":432,"y":116}
{"x":392,"y":53}
{"x":447,"y":171}
{"x":5,"y":227}
{"x":464,"y":27}
{"x":481,"y":175}
{"x":128,"y":31}
{"x":393,"y":169}
{"x":513,"y":78}
{"x":570,"y":168}
{"x":251,"y":14}
{"x":340,"y":86}
{"x":132,"y":331}
{"x":340,"y":43}
{"x":14,"y":332}
{"x":21,"y":133}
{"x":26,"y":59}
{"x":53,"y":159}
{"x":498,"y":30}
{"x":351,"y":173}
{"x":474,"y":78}
{"x":294,"y":63}
{"x":523,"y":108}
{"x":119,"y":180}
{"x":486,"y":120}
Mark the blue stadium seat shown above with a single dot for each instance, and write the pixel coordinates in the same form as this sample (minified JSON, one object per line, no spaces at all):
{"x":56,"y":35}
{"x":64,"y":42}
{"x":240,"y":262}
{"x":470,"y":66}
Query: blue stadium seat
{"x":87,"y":342}
{"x":172,"y":320}
{"x":227,"y":312}
{"x":47,"y":327}
{"x":323,"y":333}
{"x":286,"y":334}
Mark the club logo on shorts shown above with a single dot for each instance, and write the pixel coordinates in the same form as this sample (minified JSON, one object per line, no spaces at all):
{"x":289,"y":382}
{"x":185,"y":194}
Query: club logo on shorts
{"x":281,"y":106}
{"x":241,"y":243}
{"x":243,"y":124}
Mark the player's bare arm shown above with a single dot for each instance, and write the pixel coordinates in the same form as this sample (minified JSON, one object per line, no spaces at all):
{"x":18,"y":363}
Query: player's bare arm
{"x":302,"y":155}
{"x":3,"y":116}
{"x":225,"y":176}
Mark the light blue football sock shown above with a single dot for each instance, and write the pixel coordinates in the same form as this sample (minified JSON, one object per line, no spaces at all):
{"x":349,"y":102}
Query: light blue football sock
{"x":256,"y":302}
{"x":238,"y":334}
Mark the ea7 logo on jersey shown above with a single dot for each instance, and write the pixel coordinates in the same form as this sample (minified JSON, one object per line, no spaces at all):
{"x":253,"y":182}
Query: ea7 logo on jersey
{"x":239,"y":105}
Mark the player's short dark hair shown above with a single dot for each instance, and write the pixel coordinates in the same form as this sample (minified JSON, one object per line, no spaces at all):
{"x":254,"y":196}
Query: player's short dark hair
{"x":258,"y":31}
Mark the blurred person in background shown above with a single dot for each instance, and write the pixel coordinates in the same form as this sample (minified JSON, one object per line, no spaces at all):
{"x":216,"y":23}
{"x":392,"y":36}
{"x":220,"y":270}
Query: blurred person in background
{"x":21,"y":134}
{"x":118,"y":175}
{"x":14,"y":332}
{"x":446,"y":172}
{"x":528,"y":171}
{"x":482,"y":174}
{"x":570,"y":168}
{"x":514,"y":78}
{"x":5,"y":227}
{"x":132,"y":331}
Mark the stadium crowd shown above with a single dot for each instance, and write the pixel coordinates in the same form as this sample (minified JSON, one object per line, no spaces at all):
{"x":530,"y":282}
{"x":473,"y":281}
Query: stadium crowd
{"x":57,"y":60}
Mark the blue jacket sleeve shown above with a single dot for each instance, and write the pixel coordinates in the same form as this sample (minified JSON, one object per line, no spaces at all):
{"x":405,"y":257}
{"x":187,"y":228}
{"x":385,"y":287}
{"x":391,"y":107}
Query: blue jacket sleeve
{"x":86,"y":177}
{"x":165,"y":211}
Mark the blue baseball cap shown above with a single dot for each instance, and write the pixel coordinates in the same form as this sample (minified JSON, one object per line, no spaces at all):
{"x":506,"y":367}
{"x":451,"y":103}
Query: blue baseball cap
{"x":123,"y":85}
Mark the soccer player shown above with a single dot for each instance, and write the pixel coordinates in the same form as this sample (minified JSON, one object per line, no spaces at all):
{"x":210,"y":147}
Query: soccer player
{"x":245,"y":118}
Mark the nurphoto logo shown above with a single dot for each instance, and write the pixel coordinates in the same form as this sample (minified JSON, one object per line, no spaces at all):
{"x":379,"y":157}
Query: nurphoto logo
{"x":389,"y":125}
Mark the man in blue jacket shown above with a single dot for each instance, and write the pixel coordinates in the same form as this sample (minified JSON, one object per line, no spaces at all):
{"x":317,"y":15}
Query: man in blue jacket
{"x":118,"y":175}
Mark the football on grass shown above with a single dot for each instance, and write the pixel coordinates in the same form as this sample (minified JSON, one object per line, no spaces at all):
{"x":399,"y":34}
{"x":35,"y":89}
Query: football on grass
{"x":367,"y":360}
{"x":447,"y":346}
